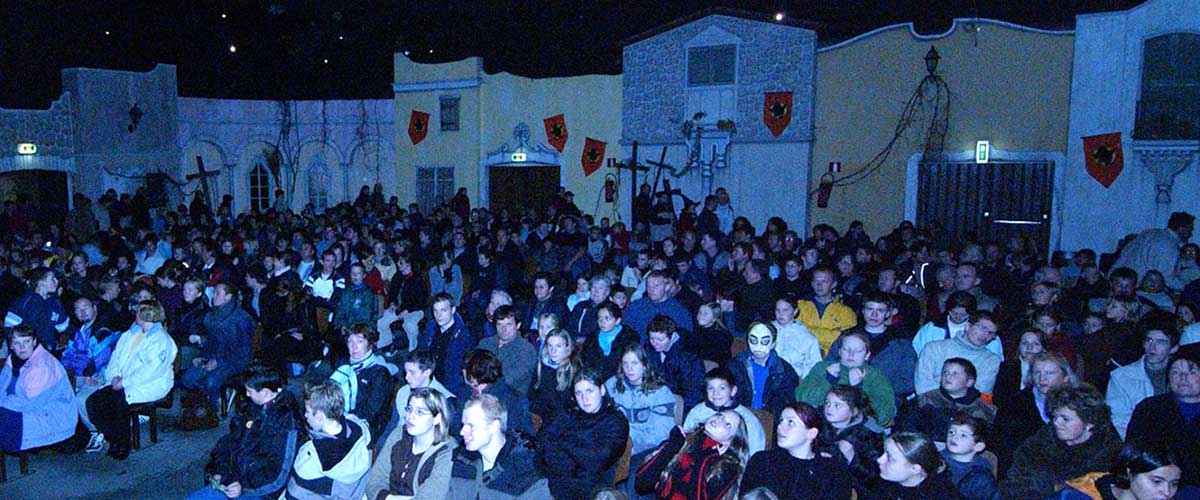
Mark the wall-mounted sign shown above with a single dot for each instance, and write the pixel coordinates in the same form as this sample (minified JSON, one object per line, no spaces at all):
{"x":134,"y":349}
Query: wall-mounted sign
{"x":26,"y":148}
{"x":516,"y":157}
{"x":983,"y":151}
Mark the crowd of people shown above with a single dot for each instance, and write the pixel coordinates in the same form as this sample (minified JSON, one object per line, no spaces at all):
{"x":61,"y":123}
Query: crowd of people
{"x":377,"y":351}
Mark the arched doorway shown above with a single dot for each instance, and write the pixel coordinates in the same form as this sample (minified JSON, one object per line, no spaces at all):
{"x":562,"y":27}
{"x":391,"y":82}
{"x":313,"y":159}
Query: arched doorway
{"x":519,"y":178}
{"x":41,"y":195}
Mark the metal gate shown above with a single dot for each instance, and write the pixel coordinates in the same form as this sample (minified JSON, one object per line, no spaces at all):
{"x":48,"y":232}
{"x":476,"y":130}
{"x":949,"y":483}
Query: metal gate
{"x":990,"y":201}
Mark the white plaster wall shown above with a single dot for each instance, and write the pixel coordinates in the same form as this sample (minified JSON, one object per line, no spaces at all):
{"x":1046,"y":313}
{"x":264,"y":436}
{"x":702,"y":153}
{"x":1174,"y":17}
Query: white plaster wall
{"x":1104,"y":93}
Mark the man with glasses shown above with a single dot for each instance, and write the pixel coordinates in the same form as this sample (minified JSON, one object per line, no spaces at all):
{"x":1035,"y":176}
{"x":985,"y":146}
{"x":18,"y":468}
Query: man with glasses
{"x":1130,"y":384}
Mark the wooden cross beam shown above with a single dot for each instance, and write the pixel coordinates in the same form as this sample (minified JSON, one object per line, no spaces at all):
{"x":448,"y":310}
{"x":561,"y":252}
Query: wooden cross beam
{"x":203,"y":175}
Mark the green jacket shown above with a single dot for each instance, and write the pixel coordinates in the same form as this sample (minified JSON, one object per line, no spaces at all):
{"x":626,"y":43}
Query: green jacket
{"x":875,"y":385}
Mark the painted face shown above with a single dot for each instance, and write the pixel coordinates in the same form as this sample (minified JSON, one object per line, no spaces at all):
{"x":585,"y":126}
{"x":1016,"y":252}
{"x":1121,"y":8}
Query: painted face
{"x":876,"y":314}
{"x":260,"y":396}
{"x":790,"y":432}
{"x":1069,"y":428}
{"x":854,"y":352}
{"x":981,"y":332}
{"x":418,"y":419}
{"x":719,"y":392}
{"x":785,"y":312}
{"x":1030,"y":346}
{"x":557,"y":349}
{"x":762,"y":342}
{"x":837,"y":412}
{"x":443,"y":313}
{"x":632,"y":368}
{"x":960,"y":439}
{"x":606,"y":321}
{"x":723,"y":426}
{"x":1047,"y":376}
{"x":894,"y":466}
{"x":589,"y":396}
{"x":506,"y":329}
{"x":1184,"y":378}
{"x":477,"y":429}
{"x":415,"y":376}
{"x":358,"y":346}
{"x":955,"y":379}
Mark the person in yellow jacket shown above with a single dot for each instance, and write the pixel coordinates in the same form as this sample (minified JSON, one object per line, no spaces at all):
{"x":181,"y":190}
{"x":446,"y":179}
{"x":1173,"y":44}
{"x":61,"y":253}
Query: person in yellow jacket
{"x":824,"y":315}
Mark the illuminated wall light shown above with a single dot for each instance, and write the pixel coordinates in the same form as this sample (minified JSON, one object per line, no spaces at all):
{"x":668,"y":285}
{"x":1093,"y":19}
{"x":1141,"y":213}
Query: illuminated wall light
{"x":26,"y":148}
{"x":983,"y":151}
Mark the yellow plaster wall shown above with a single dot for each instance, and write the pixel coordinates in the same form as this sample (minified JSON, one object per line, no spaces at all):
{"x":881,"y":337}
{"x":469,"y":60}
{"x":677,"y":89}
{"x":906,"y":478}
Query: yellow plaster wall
{"x":1009,"y":86}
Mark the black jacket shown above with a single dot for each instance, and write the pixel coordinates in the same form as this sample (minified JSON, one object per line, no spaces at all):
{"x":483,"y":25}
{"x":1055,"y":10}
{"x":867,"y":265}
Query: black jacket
{"x":1043,"y":460}
{"x":545,"y":399}
{"x":189,"y":321}
{"x":260,"y":446}
{"x":582,"y":323}
{"x":868,"y":446}
{"x":790,"y":478}
{"x":513,"y":474}
{"x":410,"y":293}
{"x":779,"y":390}
{"x":579,"y":451}
{"x":683,"y":372}
{"x":936,"y":486}
{"x":713,"y":343}
{"x":1015,"y":422}
{"x":593,"y":357}
{"x":1158,"y":418}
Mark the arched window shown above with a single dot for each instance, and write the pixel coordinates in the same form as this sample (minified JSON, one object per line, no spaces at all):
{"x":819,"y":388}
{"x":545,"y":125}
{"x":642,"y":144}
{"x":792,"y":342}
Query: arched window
{"x":318,"y":184}
{"x":260,"y":188}
{"x":1169,"y":105}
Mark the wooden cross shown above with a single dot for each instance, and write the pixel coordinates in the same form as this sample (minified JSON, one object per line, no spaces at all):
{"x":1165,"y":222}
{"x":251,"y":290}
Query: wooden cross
{"x":203,"y":175}
{"x":633,"y":167}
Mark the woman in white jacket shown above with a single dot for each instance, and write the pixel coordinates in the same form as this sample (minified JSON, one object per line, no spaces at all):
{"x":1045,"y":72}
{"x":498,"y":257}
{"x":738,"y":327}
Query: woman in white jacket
{"x":141,"y":370}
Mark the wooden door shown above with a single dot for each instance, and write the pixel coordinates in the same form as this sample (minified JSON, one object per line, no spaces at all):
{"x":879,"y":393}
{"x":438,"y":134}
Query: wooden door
{"x":521,"y":188}
{"x":990,"y":201}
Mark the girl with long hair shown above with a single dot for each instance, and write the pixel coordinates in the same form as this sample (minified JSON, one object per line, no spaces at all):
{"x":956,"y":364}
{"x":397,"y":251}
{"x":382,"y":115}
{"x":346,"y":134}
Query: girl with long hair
{"x":415,"y":462}
{"x":705,"y":464}
{"x":649,"y":405}
{"x":552,"y":392}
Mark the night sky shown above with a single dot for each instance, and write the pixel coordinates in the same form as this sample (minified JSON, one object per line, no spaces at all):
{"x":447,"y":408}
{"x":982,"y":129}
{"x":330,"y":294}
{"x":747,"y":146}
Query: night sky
{"x":343,"y":49}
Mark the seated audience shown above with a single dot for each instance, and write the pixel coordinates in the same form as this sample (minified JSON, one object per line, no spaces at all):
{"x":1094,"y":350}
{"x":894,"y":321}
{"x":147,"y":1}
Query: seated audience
{"x":1027,"y":414}
{"x":603,"y":352}
{"x":851,"y":436}
{"x":711,"y":341}
{"x":971,"y":345}
{"x":1081,"y":439}
{"x":85,"y":358}
{"x":449,"y":338}
{"x":226,"y":350}
{"x":1014,"y":374}
{"x":796,"y":344}
{"x":37,"y":405}
{"x":910,"y":468}
{"x":254,"y":459}
{"x":559,"y":362}
{"x":333,"y":463}
{"x":1132,"y":383}
{"x":578,"y":451}
{"x":1141,"y":471}
{"x":681,"y":370}
{"x":1171,"y":418}
{"x":721,"y":392}
{"x":851,"y":369}
{"x":793,"y":469}
{"x":516,"y":354}
{"x":648,"y":404}
{"x":492,"y":463}
{"x":890,"y":349}
{"x":40,"y":308}
{"x":415,"y":462}
{"x":970,"y":472}
{"x":704,"y":464}
{"x":767,"y":381}
{"x":140,"y":371}
{"x":365,"y":379}
{"x":932,"y":412}
{"x":824,"y":314}
{"x":1116,"y":344}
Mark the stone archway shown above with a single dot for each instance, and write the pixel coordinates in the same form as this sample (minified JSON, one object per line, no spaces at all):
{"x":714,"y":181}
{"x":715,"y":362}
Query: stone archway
{"x":521,"y":176}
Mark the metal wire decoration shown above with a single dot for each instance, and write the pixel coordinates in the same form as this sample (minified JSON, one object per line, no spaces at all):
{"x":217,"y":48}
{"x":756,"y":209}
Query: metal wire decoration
{"x":929,"y":108}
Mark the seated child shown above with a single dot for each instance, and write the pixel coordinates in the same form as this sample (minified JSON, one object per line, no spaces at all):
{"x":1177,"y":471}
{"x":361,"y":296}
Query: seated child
{"x":970,"y":472}
{"x":333,"y":464}
{"x":721,"y":394}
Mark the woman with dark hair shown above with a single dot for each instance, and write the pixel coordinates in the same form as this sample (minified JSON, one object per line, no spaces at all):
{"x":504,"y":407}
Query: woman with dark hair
{"x":705,"y":464}
{"x":579,"y":450}
{"x":794,"y":469}
{"x":602,"y":352}
{"x":288,"y":320}
{"x":254,"y":458}
{"x":409,"y":295}
{"x":446,"y":276}
{"x":40,"y":308}
{"x":37,"y":404}
{"x":552,"y":390}
{"x":1141,"y":471}
{"x":912,"y":469}
{"x":1014,"y":375}
{"x":1081,"y":439}
{"x":365,"y":379}
{"x":188,"y":329}
{"x":849,"y":435}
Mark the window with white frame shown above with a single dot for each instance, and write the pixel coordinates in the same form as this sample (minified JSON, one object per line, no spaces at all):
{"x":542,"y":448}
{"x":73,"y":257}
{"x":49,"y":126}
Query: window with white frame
{"x":260,"y":188}
{"x":435,"y":186}
{"x":711,"y":82}
{"x":318,"y":184}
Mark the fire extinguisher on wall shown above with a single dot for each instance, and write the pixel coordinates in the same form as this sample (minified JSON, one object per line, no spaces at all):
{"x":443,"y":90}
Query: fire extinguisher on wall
{"x":610,"y":190}
{"x":824,"y":189}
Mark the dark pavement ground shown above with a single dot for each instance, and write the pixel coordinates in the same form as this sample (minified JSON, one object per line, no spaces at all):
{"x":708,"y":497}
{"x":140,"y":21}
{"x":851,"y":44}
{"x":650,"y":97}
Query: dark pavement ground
{"x":169,"y":469}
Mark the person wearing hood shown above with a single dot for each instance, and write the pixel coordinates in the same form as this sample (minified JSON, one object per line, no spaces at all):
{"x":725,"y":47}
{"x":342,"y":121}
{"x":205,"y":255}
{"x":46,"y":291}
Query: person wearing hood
{"x":253,"y":460}
{"x":140,"y":371}
{"x":932,"y":412}
{"x":333,"y":464}
{"x":365,"y":379}
{"x":1080,"y":439}
{"x":226,"y":350}
{"x":579,"y":450}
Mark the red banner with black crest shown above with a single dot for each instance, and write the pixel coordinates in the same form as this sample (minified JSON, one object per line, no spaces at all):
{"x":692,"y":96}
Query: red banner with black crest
{"x":556,"y":131}
{"x":777,"y":111}
{"x":1102,"y":154}
{"x":593,"y":156}
{"x":418,"y":126}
